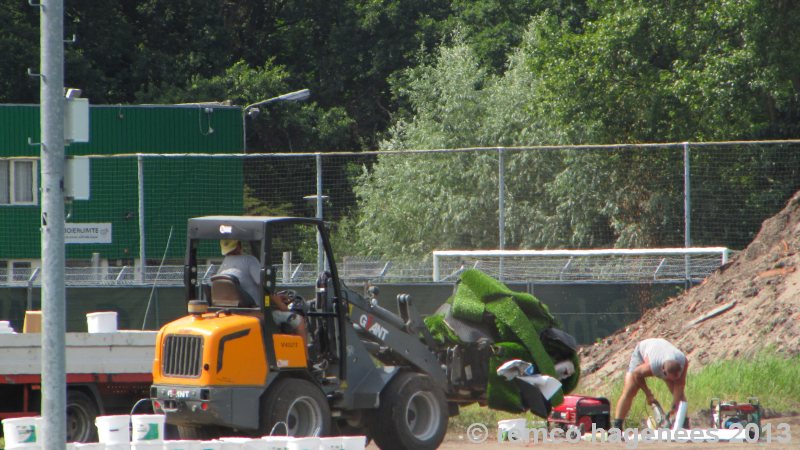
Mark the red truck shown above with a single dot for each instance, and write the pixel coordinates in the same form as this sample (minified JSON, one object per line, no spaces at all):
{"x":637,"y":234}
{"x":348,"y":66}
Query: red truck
{"x":107,"y":373}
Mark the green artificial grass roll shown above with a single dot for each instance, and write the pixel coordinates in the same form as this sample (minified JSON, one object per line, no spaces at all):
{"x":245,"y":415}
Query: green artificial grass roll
{"x":467,"y":305}
{"x":518,"y":318}
{"x":440,"y":331}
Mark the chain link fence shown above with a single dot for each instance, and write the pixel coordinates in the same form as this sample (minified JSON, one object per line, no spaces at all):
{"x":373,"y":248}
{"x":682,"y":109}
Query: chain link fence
{"x":390,"y":210}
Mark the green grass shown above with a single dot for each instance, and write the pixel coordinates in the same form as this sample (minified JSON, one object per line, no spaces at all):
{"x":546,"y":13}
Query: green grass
{"x":774,"y":379}
{"x":770,"y":377}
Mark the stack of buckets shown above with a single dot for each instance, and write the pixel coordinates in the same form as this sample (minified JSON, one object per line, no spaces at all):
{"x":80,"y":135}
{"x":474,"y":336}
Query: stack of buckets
{"x":146,"y":432}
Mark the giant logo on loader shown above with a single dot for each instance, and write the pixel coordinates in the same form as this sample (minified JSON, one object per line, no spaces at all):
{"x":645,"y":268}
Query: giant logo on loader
{"x":373,"y":326}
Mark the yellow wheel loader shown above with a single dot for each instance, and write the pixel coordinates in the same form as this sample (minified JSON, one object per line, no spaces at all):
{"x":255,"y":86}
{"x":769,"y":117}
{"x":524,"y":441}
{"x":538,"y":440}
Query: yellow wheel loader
{"x":229,"y":368}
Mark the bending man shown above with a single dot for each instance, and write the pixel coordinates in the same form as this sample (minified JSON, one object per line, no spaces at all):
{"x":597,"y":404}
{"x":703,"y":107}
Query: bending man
{"x":653,"y":358}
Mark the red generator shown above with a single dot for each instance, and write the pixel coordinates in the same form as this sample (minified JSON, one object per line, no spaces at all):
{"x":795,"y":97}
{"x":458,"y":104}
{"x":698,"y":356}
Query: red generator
{"x":582,"y":412}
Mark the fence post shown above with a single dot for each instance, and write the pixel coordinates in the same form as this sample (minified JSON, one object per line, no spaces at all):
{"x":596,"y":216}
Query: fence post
{"x":687,"y":211}
{"x":501,"y":205}
{"x":436,"y":274}
{"x":320,"y":249}
{"x":142,"y":256}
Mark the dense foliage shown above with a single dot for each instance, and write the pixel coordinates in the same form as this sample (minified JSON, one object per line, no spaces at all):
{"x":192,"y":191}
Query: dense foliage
{"x":423,"y":74}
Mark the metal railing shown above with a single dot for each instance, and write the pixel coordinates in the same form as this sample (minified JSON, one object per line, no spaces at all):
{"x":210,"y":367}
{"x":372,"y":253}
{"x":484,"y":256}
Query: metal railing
{"x":551,"y":267}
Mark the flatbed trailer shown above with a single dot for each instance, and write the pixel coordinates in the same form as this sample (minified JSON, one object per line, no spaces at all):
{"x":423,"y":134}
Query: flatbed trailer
{"x":106,"y":373}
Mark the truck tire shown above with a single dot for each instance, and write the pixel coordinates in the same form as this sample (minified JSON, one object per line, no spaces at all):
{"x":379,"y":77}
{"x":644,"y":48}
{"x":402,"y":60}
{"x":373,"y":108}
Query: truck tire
{"x":81,"y":412}
{"x":297,"y":403}
{"x":412,"y":414}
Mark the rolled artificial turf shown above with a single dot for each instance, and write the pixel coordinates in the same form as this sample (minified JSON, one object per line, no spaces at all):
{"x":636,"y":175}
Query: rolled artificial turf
{"x":518,"y":318}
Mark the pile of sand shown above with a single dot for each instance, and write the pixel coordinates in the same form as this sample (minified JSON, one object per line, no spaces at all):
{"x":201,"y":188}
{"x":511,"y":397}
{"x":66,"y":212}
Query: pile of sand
{"x":756,"y":297}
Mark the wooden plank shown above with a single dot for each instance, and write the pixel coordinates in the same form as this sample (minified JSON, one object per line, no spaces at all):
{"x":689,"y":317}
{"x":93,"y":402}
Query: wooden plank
{"x":713,"y":313}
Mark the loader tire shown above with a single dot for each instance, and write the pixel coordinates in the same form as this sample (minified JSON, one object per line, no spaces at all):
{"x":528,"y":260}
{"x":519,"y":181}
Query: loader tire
{"x":299,"y":404}
{"x":81,"y":412}
{"x":412,"y":414}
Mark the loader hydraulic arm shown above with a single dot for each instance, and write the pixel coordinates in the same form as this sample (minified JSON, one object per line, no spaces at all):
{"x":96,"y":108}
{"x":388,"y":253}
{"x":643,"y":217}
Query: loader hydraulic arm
{"x":403,"y":336}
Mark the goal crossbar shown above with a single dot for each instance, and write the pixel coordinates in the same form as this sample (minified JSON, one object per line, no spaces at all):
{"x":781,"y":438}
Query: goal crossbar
{"x":664,"y":260}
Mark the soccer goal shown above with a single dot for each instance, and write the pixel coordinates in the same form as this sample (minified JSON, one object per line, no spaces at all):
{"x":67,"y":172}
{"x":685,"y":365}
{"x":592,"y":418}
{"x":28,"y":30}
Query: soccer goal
{"x":659,"y":265}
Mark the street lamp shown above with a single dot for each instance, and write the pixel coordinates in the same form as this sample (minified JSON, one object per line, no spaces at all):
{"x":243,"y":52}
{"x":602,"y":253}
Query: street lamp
{"x":252,"y":110}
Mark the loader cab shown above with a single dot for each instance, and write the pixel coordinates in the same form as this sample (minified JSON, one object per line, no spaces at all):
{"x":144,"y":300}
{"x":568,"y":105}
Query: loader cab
{"x":286,"y":249}
{"x":292,"y":254}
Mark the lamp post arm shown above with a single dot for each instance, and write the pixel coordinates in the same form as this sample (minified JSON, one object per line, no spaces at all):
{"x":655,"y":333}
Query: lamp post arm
{"x":296,"y":96}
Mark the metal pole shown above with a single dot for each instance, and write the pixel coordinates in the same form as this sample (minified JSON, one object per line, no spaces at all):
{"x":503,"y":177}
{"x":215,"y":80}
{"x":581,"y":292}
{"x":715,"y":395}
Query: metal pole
{"x":501,"y":206}
{"x":54,"y":391}
{"x":320,"y":250}
{"x":244,"y":131}
{"x":31,"y":281}
{"x":687,"y":211}
{"x":142,"y":255}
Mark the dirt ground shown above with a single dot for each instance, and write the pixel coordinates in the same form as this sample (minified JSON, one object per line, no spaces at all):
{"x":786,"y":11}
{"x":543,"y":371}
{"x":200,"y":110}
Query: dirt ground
{"x":750,"y":304}
{"x":761,"y":287}
{"x":459,"y":441}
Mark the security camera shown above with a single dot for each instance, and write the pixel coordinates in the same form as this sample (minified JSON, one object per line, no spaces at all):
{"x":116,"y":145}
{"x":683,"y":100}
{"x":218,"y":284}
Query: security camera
{"x":253,"y":113}
{"x":208,"y":110}
{"x":73,"y":93}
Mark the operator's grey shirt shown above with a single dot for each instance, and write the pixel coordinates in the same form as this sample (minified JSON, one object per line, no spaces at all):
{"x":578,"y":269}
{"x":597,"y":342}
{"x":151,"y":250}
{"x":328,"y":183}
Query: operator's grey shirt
{"x":657,"y":351}
{"x":246,"y":269}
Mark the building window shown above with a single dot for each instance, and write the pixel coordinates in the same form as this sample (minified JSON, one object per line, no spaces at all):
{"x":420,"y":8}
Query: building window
{"x":18,"y":182}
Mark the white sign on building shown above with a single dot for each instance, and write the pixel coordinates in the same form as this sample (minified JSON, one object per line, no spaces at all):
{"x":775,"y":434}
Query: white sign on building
{"x":87,"y":233}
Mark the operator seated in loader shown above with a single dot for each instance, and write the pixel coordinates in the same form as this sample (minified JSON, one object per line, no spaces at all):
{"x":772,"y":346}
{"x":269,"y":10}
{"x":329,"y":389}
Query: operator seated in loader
{"x":237,"y":276}
{"x":237,"y":282}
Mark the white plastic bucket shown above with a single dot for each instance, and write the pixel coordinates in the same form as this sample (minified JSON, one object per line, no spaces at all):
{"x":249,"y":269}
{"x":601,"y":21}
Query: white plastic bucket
{"x":147,"y":445}
{"x":102,"y":322}
{"x":22,"y":431}
{"x":353,"y":442}
{"x":88,"y":446}
{"x":243,"y":443}
{"x":120,"y":446}
{"x":276,"y":442}
{"x":181,"y":445}
{"x":113,"y":429}
{"x":148,"y":427}
{"x":303,"y":443}
{"x":207,"y":445}
{"x":512,"y":430}
{"x":233,"y":443}
{"x":330,"y":443}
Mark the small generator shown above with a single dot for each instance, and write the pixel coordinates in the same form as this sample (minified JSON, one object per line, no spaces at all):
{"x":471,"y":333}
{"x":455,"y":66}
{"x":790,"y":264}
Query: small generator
{"x":581,"y":412}
{"x":729,"y":414}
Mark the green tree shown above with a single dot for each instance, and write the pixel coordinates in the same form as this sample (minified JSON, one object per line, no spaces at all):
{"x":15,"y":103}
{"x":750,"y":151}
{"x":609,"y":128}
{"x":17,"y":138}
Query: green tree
{"x":19,"y":47}
{"x":630,"y":72}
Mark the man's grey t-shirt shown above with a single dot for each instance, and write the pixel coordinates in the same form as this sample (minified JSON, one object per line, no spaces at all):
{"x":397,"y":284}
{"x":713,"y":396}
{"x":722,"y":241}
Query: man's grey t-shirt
{"x":657,"y":351}
{"x":246,"y":269}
